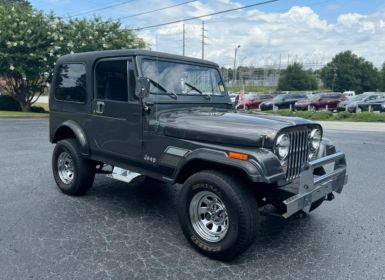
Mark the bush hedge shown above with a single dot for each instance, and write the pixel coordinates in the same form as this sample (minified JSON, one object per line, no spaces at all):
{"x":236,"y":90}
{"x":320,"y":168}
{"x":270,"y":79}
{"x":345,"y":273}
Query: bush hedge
{"x":7,"y":103}
{"x":38,"y":109}
{"x":329,"y":116}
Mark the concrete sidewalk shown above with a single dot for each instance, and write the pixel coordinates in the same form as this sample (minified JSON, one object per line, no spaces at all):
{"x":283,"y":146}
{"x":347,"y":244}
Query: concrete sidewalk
{"x":353,"y":126}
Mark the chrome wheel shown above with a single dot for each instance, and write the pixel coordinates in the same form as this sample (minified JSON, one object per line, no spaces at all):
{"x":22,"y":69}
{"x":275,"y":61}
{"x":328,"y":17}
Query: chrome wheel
{"x":208,"y":216}
{"x":65,"y":167}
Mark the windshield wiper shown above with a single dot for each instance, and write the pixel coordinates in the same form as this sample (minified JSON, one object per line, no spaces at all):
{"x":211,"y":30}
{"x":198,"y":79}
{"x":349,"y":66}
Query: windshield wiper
{"x":159,"y":86}
{"x":196,"y":89}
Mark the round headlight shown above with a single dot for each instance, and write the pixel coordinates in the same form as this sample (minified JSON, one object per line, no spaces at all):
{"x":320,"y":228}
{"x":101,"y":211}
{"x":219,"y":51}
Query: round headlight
{"x":282,"y":146}
{"x":315,"y":137}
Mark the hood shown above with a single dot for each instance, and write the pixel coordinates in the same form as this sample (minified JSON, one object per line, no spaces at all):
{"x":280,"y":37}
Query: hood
{"x":268,"y":103}
{"x":226,"y":127}
{"x":344,"y":103}
{"x":351,"y":104}
{"x":303,"y":101}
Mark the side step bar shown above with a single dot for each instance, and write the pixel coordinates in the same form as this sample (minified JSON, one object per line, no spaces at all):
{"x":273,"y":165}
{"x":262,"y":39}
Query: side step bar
{"x":123,"y":175}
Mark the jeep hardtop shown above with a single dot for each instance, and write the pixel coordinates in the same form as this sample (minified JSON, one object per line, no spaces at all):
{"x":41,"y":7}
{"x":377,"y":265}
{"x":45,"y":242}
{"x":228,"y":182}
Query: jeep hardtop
{"x":130,"y":113}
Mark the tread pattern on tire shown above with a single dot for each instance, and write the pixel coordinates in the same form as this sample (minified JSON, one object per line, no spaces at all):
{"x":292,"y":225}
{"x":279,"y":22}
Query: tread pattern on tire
{"x":246,"y":206}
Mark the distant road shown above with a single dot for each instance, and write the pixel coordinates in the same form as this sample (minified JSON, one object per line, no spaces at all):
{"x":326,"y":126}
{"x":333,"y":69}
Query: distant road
{"x":353,"y":126}
{"x":43,"y":99}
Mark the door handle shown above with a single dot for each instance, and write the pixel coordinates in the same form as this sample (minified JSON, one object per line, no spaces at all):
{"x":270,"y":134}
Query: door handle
{"x":99,"y":107}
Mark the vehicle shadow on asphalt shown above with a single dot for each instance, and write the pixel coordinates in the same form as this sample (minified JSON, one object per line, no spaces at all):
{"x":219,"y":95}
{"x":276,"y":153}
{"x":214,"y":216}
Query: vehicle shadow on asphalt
{"x":157,"y":201}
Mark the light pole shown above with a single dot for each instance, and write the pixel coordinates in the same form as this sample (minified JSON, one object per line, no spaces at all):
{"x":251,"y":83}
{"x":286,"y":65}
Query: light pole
{"x":235,"y":60}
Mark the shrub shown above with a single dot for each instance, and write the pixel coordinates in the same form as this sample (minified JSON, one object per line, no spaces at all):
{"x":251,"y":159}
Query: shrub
{"x":7,"y":103}
{"x":38,"y":109}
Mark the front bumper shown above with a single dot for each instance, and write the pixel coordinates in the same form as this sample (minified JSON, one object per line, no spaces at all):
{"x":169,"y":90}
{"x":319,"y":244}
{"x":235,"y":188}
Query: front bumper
{"x":340,"y":109}
{"x":301,"y":107}
{"x":312,"y":188}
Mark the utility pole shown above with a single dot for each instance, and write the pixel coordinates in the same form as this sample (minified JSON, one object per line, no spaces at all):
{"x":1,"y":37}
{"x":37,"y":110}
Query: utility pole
{"x":235,"y":60}
{"x":203,"y":39}
{"x":184,"y":39}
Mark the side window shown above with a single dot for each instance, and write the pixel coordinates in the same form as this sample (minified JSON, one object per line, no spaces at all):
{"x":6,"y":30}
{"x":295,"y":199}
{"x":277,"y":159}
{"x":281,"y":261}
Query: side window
{"x":70,"y":83}
{"x":112,"y":80}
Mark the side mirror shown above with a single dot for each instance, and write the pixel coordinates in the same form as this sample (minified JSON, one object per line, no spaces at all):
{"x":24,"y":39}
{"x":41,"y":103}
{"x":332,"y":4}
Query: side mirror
{"x":142,"y":87}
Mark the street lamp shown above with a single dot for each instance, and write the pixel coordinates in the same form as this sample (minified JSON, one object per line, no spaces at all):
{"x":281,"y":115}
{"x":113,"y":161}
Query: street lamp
{"x":235,"y":60}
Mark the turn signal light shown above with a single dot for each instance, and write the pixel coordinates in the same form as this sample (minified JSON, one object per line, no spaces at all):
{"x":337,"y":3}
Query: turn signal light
{"x":239,"y":156}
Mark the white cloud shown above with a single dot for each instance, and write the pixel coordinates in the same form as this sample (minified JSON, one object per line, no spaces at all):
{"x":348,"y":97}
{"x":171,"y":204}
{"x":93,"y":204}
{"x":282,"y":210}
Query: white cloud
{"x":298,"y":33}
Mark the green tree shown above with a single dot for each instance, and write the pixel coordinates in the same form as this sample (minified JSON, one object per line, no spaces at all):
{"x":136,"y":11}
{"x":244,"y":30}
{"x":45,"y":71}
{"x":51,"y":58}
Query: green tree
{"x":347,"y":71}
{"x":382,"y":77}
{"x":31,"y":42}
{"x":296,"y":78}
{"x":15,"y":2}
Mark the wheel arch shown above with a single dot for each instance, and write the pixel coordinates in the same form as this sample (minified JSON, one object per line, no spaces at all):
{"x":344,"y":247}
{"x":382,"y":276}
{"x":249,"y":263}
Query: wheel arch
{"x":204,"y":159}
{"x":71,"y":129}
{"x":197,"y":165}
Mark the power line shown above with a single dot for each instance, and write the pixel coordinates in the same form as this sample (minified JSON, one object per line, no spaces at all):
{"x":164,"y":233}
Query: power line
{"x":157,"y":10}
{"x":102,"y":8}
{"x":211,"y":14}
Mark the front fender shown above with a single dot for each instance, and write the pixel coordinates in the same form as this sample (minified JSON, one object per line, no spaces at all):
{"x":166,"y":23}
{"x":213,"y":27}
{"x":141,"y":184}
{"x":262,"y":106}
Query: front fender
{"x":262,"y":165}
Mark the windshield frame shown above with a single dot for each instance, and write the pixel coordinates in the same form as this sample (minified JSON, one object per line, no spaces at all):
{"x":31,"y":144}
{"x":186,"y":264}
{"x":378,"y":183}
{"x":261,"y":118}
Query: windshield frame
{"x":139,"y":60}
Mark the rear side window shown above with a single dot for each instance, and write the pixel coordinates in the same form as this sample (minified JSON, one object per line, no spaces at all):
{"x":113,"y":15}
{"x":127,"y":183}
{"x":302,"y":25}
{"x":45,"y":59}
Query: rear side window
{"x":70,"y":83}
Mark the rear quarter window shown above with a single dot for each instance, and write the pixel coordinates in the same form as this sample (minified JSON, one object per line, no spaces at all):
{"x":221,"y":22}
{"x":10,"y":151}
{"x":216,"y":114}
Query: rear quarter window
{"x":70,"y":84}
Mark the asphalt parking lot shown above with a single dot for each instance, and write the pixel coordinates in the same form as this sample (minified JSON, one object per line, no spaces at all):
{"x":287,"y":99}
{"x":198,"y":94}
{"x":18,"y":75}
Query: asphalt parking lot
{"x":121,"y":231}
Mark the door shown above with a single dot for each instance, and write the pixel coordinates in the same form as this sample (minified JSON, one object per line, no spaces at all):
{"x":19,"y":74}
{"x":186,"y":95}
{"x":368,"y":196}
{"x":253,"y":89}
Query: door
{"x":117,"y":113}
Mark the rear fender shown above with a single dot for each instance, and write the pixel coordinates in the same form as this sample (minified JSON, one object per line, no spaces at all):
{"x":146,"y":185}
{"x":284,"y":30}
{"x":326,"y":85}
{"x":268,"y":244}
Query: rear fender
{"x":70,"y":129}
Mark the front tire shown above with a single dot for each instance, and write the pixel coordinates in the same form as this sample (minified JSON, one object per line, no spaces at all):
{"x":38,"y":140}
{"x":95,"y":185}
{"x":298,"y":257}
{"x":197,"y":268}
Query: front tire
{"x":73,"y":174}
{"x":218,"y":215}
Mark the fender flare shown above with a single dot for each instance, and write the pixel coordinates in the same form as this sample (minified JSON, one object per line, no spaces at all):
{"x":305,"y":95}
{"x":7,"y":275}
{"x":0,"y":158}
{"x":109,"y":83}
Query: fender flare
{"x":79,"y":133}
{"x":251,"y":168}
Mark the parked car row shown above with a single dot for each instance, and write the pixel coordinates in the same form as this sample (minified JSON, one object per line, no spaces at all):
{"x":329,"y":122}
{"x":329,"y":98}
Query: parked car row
{"x":253,"y":100}
{"x":368,"y":101}
{"x":318,"y":101}
{"x":334,"y":101}
{"x":282,"y":101}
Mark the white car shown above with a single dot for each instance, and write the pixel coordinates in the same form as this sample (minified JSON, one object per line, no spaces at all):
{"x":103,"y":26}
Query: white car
{"x":349,"y":93}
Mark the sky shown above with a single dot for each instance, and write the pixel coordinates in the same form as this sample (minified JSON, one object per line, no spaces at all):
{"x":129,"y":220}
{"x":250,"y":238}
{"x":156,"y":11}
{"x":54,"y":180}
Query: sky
{"x":306,"y":31}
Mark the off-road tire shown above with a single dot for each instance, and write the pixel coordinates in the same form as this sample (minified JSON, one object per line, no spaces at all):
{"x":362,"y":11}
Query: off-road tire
{"x":241,"y":207}
{"x":83,"y":169}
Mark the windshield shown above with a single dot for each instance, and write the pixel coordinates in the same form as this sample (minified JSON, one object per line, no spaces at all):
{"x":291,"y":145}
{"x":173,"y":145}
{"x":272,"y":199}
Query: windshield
{"x":251,"y":96}
{"x":279,"y":97}
{"x":314,"y":97}
{"x":182,"y":78}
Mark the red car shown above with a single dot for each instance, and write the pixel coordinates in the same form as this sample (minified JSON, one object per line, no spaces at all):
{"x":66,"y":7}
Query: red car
{"x":320,"y":101}
{"x":252,"y":100}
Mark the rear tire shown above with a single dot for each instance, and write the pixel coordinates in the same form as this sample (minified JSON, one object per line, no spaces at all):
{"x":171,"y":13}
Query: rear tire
{"x":218,"y":215}
{"x":73,"y":174}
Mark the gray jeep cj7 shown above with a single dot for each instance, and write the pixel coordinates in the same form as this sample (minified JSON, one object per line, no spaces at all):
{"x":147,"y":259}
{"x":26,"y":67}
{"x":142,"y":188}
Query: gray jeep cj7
{"x":132,"y":113}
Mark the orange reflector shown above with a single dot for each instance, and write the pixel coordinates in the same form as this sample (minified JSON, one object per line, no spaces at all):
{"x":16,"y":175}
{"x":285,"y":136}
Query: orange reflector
{"x":238,"y":156}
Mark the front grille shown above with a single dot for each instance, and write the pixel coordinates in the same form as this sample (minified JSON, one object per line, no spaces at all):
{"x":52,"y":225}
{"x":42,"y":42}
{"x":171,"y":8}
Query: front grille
{"x":298,"y":153}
